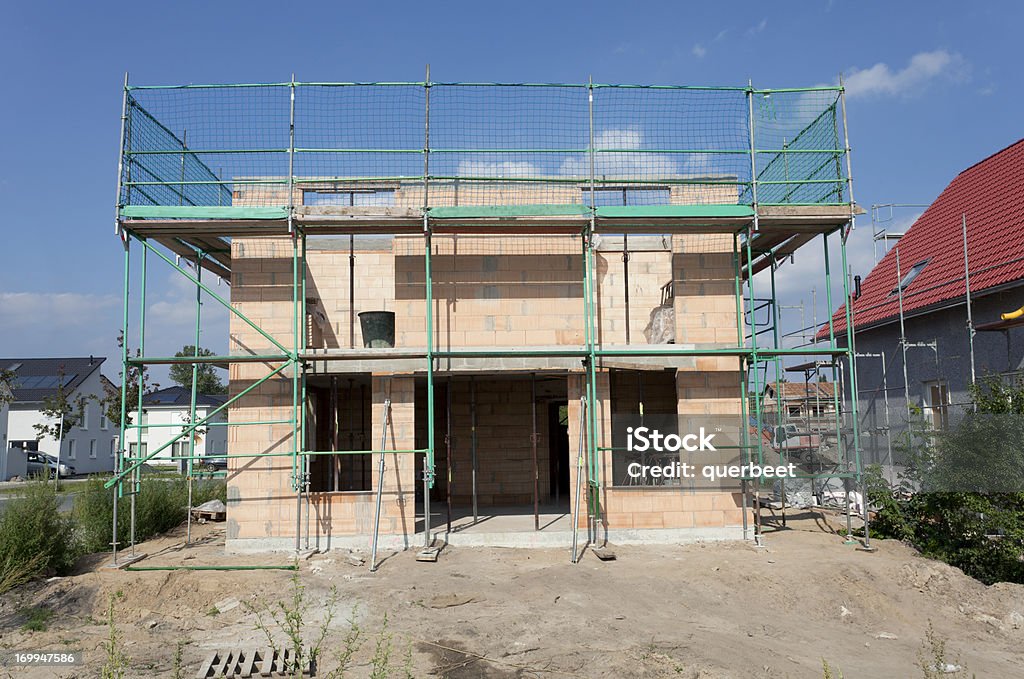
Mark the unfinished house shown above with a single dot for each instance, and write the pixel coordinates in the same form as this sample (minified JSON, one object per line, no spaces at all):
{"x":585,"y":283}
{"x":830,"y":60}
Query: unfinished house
{"x":449,"y":301}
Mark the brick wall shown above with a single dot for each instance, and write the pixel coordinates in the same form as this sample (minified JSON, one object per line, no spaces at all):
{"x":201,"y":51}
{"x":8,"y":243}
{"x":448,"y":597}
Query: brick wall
{"x":498,"y":291}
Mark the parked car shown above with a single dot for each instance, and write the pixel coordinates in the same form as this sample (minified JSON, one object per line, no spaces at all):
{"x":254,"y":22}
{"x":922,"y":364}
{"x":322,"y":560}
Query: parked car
{"x":38,"y":464}
{"x":212,"y":464}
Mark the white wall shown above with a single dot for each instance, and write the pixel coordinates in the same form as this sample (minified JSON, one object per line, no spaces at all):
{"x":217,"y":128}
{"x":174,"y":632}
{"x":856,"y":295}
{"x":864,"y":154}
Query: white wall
{"x":4,"y":408}
{"x":210,"y":441}
{"x":92,"y":435}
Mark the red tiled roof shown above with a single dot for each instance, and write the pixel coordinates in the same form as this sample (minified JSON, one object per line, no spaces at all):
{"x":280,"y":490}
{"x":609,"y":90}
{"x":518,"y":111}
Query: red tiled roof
{"x":991,"y":194}
{"x":798,"y":390}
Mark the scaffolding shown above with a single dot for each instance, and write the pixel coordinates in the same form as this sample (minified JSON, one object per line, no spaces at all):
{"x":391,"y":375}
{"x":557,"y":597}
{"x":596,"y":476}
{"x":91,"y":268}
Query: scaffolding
{"x":201,"y":165}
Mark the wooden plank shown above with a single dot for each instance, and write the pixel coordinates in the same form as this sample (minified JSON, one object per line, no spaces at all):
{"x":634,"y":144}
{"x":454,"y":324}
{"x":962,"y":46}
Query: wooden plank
{"x":202,"y":212}
{"x":206,"y":666}
{"x":220,"y":669}
{"x":786,"y":249}
{"x":268,"y":662}
{"x":249,"y":663}
{"x":179,"y":248}
{"x":358,"y":211}
{"x":676,"y":211}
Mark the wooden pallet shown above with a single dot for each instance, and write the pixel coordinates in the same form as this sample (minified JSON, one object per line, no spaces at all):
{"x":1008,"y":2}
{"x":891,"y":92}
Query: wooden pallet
{"x":250,"y":662}
{"x":204,"y":516}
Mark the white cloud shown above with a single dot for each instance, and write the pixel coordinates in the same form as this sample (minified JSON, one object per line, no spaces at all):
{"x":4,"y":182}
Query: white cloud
{"x":923,"y":68}
{"x":170,"y":318}
{"x":761,"y":25}
{"x":41,"y":311}
{"x":721,"y":34}
{"x":60,"y":324}
{"x":699,"y":51}
{"x":622,"y":162}
{"x":506,"y":168}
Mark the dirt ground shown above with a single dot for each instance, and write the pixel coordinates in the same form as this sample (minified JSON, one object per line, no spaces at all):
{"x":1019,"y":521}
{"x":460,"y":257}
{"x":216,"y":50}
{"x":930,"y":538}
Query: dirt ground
{"x":711,"y":610}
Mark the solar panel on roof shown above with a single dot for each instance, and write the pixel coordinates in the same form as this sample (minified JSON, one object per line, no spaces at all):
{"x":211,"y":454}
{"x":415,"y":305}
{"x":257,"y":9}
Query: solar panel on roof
{"x":43,"y":381}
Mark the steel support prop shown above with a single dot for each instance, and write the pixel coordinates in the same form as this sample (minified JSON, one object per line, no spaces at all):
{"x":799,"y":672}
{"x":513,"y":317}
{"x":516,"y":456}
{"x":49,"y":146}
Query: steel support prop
{"x":380,"y":483}
{"x":192,"y":400}
{"x":472,"y":442}
{"x":135,"y":483}
{"x":449,"y":449}
{"x":533,"y":447}
{"x":580,"y":471}
{"x":126,"y":240}
{"x":744,"y":368}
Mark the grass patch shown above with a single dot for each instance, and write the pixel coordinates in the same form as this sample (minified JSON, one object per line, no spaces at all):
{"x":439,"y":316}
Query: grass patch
{"x":37,"y":618}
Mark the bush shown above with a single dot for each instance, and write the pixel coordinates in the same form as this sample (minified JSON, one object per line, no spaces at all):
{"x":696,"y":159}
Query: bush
{"x":35,"y":538}
{"x":960,"y":500}
{"x":160,"y":505}
{"x":981,"y":534}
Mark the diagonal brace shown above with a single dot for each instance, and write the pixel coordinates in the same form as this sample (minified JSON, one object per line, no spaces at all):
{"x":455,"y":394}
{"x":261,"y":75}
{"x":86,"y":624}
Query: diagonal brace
{"x":192,"y":427}
{"x":227,"y":305}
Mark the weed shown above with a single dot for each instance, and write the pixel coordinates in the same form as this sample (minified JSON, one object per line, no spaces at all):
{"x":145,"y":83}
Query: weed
{"x":933,"y":661}
{"x":350,"y":645}
{"x":407,"y":664}
{"x":37,"y":618}
{"x":381,"y":662}
{"x":212,"y":611}
{"x":116,"y":663}
{"x":178,"y":668}
{"x":289,"y":618}
{"x":827,"y":671}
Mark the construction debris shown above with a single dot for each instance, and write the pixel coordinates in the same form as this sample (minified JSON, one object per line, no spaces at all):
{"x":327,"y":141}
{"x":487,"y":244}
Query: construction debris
{"x":214,"y":510}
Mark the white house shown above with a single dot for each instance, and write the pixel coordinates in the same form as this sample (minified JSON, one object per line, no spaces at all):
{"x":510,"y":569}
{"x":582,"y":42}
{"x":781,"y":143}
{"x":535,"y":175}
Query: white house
{"x":89,"y":447}
{"x":164,"y":415}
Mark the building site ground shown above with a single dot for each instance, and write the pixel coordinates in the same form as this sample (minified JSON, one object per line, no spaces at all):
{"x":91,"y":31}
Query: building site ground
{"x":709,"y":610}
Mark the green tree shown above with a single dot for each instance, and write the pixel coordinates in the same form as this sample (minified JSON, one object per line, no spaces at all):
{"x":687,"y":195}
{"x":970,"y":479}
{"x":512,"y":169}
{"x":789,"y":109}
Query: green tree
{"x":6,"y":386}
{"x":111,"y":401}
{"x":207,"y":380}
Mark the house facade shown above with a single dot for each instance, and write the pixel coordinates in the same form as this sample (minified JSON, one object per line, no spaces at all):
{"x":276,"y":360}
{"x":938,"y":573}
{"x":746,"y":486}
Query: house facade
{"x":918,"y":363}
{"x":498,"y":439}
{"x":165,"y":413}
{"x":809,"y":403}
{"x":89,"y":447}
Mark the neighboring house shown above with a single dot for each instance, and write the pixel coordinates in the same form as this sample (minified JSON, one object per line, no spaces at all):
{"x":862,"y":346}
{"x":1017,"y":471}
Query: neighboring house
{"x":811,"y":404}
{"x":164,"y":414}
{"x":931,"y":283}
{"x":89,"y":447}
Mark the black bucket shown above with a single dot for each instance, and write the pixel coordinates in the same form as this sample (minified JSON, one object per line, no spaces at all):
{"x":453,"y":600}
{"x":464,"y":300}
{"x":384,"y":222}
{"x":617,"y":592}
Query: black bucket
{"x":378,"y":329}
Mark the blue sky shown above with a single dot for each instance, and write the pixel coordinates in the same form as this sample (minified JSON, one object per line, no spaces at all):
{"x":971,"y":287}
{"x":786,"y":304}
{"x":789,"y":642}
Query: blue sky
{"x":933,"y":88}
